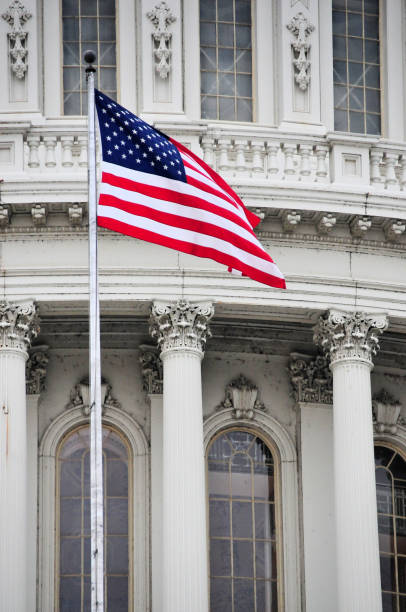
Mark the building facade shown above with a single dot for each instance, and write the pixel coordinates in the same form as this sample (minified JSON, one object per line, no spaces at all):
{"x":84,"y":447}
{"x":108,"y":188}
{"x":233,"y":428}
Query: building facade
{"x":254,"y":439}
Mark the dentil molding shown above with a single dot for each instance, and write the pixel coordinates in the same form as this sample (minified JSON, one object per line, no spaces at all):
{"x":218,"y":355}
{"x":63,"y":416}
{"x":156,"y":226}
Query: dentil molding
{"x":151,"y":369}
{"x":349,"y":335}
{"x":181,"y":325}
{"x":18,"y":325}
{"x":80,"y":397}
{"x":16,"y":16}
{"x":301,"y":29}
{"x":36,"y":369}
{"x":311,"y":378}
{"x":241,"y":396}
{"x":161,"y":18}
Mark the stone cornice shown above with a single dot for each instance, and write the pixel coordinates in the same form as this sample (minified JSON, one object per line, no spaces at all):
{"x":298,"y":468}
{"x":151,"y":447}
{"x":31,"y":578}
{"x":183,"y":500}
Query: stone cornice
{"x":181,"y":325}
{"x":349,"y":335}
{"x":18,"y":325}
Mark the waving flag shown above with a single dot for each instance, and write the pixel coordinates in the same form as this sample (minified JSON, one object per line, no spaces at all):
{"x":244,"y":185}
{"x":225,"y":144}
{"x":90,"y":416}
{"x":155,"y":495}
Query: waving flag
{"x":155,"y":189}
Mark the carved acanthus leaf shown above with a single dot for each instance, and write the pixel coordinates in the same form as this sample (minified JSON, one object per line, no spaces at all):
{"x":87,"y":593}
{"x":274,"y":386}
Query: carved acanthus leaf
{"x":181,"y":325}
{"x":242,"y":396}
{"x":18,"y":325}
{"x":386,"y":412}
{"x":301,"y":28}
{"x":80,"y":397}
{"x":151,"y":370}
{"x":349,"y":335}
{"x":311,"y":378}
{"x":36,"y":369}
{"x":16,"y":16}
{"x":161,"y":17}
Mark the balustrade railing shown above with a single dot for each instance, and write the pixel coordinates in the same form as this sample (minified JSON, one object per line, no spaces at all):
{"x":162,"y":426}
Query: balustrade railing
{"x":267,"y":156}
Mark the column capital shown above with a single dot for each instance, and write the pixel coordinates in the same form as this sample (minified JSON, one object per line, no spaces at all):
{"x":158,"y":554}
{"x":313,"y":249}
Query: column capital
{"x":347,"y":336}
{"x":181,"y":325}
{"x":36,"y":369}
{"x":18,"y":325}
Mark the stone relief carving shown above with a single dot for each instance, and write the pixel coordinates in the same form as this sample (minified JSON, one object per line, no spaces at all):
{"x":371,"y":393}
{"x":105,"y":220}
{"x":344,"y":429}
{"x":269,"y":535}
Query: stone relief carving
{"x":301,"y":28}
{"x":18,"y":325}
{"x":151,"y":369}
{"x":311,"y":378}
{"x":242,"y":396}
{"x":386,"y":412}
{"x":181,"y":325}
{"x":349,"y":335}
{"x":36,"y":369}
{"x":161,"y":17}
{"x":80,"y":397}
{"x":16,"y":16}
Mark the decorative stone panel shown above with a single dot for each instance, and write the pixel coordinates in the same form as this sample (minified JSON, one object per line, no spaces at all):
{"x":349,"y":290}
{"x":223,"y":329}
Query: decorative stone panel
{"x":80,"y":397}
{"x":161,"y":17}
{"x":386,"y":412}
{"x":242,"y":396}
{"x":16,"y":16}
{"x":301,"y":29}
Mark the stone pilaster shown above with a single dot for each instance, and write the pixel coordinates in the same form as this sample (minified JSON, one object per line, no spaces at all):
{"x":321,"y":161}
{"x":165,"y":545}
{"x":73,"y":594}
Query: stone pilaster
{"x":18,"y":326}
{"x":181,"y":330}
{"x":351,"y":340}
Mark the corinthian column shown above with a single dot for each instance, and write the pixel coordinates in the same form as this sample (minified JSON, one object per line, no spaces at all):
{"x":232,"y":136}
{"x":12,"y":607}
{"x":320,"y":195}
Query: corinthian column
{"x":351,"y":340}
{"x":18,"y":325}
{"x":181,"y":330}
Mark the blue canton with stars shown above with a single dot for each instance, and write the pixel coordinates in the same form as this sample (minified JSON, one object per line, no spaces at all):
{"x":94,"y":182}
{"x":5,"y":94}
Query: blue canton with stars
{"x":130,"y":142}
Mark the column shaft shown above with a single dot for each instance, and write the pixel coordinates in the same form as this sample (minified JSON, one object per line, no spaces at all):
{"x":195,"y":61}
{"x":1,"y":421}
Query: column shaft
{"x":184,"y":500}
{"x":359,"y":582}
{"x":13,"y":482}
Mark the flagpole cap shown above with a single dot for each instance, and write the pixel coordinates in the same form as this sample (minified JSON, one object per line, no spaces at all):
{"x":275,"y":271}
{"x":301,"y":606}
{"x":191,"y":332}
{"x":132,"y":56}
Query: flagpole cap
{"x":90,"y":57}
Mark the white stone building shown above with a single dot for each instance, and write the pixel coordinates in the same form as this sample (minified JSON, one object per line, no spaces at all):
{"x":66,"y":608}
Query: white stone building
{"x":300,"y":105}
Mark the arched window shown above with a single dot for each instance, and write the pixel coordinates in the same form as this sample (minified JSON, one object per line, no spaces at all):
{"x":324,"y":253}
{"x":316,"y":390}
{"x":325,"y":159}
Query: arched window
{"x":391,"y":497}
{"x":243,"y":515}
{"x":73,"y":522}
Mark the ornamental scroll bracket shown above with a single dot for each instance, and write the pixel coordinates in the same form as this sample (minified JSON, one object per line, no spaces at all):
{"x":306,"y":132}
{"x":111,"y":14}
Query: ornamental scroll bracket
{"x":161,"y":18}
{"x":301,"y":28}
{"x":36,"y":369}
{"x":242,"y":397}
{"x":386,"y":412}
{"x":16,"y":16}
{"x":80,"y":397}
{"x":151,"y":369}
{"x":311,"y":378}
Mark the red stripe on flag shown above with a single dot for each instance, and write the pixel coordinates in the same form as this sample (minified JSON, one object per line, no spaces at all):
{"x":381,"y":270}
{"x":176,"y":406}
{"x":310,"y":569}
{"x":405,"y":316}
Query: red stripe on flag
{"x":192,"y":249}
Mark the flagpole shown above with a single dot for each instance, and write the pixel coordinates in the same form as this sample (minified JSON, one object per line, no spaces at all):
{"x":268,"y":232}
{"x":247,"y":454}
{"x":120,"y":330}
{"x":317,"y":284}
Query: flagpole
{"x":96,"y":456}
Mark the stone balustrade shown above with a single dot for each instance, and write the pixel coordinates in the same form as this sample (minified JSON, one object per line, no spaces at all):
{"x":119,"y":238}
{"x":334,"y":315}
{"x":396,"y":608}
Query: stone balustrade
{"x":265,"y":156}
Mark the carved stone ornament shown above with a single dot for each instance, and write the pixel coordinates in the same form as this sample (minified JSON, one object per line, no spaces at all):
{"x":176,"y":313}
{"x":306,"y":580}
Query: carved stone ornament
{"x":349,"y":335}
{"x":311,"y":378}
{"x":181,"y":325}
{"x":161,"y":18}
{"x":151,"y":369}
{"x":301,"y":28}
{"x":36,"y":369}
{"x":18,"y":325}
{"x":242,"y":396}
{"x":386,"y":412}
{"x":16,"y":16}
{"x":80,"y":397}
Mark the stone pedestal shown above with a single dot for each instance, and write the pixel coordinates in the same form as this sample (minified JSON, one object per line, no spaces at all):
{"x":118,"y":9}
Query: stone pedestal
{"x":351,"y":339}
{"x":181,"y":330}
{"x":18,"y":325}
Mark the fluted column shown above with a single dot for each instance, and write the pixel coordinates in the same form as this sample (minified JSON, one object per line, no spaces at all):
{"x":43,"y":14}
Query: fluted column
{"x":18,"y":325}
{"x":181,"y":330}
{"x":351,"y":340}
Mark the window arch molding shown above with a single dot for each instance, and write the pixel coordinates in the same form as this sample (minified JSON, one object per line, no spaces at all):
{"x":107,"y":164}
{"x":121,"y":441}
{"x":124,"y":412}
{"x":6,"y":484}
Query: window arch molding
{"x":396,"y":441}
{"x":281,"y":443}
{"x":57,"y":430}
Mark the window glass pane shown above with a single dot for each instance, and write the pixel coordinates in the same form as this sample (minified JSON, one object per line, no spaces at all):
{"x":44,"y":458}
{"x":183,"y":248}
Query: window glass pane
{"x":356,"y":63}
{"x":225,"y":55}
{"x":73,"y":524}
{"x":242,"y":526}
{"x":89,"y":24}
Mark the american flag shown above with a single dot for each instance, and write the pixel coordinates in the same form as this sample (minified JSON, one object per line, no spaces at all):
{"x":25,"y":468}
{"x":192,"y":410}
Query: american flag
{"x":155,"y":189}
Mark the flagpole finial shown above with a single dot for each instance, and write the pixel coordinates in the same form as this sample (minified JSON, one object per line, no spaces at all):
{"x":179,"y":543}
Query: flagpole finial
{"x":90,"y":57}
